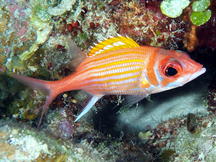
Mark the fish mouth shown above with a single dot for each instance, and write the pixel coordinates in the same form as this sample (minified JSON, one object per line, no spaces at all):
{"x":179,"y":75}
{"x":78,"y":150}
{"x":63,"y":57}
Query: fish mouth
{"x":198,"y":73}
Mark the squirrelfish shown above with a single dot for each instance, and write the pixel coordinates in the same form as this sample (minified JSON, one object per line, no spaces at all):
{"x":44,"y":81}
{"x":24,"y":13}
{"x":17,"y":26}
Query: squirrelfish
{"x":119,"y":66}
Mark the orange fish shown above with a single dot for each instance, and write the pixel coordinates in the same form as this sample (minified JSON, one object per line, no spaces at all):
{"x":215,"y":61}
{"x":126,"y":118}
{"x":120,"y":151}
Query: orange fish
{"x":119,"y":66}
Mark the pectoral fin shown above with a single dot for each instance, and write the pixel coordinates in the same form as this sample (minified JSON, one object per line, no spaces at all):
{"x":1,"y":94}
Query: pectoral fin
{"x":132,"y":99}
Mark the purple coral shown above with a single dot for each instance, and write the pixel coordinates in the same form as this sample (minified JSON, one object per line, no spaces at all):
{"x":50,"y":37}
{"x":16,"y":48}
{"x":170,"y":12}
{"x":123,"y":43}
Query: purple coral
{"x":66,"y":128}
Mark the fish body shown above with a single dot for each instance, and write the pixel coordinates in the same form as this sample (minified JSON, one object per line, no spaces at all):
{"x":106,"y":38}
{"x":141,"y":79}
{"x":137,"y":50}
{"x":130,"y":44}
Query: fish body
{"x":120,"y":66}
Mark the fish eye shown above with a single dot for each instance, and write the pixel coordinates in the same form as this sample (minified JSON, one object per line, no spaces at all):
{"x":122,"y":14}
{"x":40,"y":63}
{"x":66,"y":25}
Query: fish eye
{"x":170,"y":71}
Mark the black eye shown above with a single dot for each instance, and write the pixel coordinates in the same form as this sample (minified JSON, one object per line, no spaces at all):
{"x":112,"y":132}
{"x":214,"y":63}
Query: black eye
{"x":170,"y":71}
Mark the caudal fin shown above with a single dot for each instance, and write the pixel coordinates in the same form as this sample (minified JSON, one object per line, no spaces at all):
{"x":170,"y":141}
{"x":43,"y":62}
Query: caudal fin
{"x":40,"y":85}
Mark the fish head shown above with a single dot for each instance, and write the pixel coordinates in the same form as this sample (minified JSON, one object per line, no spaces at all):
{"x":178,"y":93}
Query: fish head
{"x":176,"y":68}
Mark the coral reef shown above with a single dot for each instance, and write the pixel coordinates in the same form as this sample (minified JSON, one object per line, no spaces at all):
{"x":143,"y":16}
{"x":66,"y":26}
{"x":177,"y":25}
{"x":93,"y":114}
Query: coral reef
{"x":175,"y":142}
{"x":23,"y":143}
{"x":169,"y":141}
{"x":26,"y":144}
{"x":32,"y":43}
{"x":33,"y":40}
{"x":199,"y":146}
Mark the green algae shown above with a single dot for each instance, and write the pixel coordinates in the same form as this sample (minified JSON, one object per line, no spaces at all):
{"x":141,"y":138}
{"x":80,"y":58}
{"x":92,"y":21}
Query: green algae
{"x":200,"y":5}
{"x":167,"y":155}
{"x":200,"y":18}
{"x":40,"y":11}
{"x":15,"y":64}
{"x":42,"y":35}
{"x":144,"y":136}
{"x":200,"y":15}
{"x":173,"y":8}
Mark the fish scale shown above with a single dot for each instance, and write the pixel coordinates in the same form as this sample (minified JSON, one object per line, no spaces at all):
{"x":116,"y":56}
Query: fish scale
{"x":121,"y":71}
{"x":120,"y":66}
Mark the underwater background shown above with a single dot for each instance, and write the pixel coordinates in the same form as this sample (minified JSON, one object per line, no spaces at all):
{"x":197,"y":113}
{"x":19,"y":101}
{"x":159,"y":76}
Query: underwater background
{"x":176,"y":125}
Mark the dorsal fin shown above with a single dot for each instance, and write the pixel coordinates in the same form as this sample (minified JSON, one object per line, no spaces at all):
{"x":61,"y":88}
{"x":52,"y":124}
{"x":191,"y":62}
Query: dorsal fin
{"x":78,"y":55}
{"x":111,"y":44}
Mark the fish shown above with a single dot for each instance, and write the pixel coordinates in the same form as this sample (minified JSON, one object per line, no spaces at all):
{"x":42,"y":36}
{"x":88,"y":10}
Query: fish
{"x":119,"y":66}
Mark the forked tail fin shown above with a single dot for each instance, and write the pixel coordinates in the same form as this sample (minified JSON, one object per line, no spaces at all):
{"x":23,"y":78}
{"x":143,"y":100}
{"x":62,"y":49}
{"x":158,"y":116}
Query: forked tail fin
{"x":40,"y":85}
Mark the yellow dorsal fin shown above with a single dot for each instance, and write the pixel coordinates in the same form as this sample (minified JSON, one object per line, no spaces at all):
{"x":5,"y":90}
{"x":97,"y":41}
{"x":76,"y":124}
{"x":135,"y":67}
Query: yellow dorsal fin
{"x":113,"y":43}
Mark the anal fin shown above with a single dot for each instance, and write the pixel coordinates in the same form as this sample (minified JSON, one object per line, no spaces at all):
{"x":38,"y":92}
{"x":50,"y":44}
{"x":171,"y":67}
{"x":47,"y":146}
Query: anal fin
{"x":89,"y":105}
